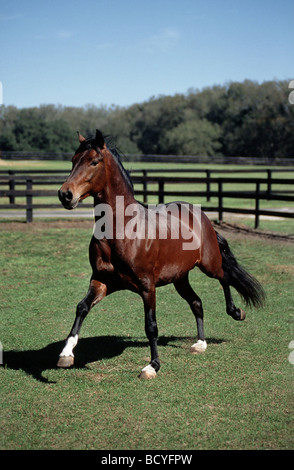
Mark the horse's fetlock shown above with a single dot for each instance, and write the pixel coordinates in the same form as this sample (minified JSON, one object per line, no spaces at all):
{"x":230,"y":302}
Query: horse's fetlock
{"x":155,"y":364}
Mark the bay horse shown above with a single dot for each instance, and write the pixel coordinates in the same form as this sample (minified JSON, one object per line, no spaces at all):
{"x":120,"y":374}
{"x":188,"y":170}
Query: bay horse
{"x":135,"y":260}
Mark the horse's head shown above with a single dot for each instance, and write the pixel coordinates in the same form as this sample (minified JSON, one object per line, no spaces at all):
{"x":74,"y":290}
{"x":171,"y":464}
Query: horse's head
{"x":88,"y":175}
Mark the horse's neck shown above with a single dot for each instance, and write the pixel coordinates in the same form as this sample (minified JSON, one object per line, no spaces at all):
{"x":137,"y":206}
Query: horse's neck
{"x":116,"y":186}
{"x":119,"y":199}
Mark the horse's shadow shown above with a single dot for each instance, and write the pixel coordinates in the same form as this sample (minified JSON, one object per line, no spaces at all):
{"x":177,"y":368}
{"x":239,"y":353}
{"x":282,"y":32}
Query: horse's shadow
{"x":35,"y":362}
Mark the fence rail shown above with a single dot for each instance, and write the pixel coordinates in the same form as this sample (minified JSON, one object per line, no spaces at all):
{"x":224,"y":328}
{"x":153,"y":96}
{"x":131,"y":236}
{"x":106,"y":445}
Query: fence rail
{"x":29,"y":186}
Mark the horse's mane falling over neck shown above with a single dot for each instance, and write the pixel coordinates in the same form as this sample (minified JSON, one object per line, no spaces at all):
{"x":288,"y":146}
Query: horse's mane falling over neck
{"x":117,"y":157}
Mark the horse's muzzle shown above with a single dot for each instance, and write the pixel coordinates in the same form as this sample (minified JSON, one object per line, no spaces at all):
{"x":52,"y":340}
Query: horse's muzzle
{"x":66,"y":199}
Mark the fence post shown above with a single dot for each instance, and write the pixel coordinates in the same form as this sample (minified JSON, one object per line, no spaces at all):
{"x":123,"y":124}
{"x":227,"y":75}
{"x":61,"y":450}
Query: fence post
{"x":220,"y":200}
{"x":144,"y":186}
{"x":29,"y":201}
{"x":11,"y":187}
{"x":257,"y":205}
{"x":160,"y":192}
{"x":269,"y":182}
{"x":208,"y":185}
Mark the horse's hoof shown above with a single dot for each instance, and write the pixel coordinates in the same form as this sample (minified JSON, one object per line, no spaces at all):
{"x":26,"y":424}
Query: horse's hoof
{"x":148,"y":372}
{"x":242,"y":314}
{"x":65,"y":361}
{"x":199,"y":347}
{"x":238,"y":314}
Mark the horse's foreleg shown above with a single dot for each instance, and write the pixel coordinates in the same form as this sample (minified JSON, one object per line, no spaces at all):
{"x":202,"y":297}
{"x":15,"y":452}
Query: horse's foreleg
{"x":96,"y":292}
{"x":149,"y":372}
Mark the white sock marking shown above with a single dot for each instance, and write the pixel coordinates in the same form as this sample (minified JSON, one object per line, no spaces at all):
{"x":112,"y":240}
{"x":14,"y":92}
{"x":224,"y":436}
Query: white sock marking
{"x":149,"y":368}
{"x":70,"y":344}
{"x":200,"y":345}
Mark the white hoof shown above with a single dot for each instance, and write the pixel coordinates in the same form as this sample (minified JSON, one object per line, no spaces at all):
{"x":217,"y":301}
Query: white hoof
{"x":148,"y":372}
{"x":199,"y":347}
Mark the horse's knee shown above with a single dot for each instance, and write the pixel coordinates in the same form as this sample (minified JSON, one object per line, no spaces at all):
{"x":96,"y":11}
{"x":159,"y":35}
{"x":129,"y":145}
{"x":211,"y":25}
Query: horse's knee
{"x":196,"y":307}
{"x":151,"y":330}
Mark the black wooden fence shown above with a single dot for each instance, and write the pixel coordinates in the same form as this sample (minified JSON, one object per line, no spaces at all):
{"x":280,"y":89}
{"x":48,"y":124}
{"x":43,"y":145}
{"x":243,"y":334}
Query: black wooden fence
{"x":183,"y":159}
{"x":19,"y":189}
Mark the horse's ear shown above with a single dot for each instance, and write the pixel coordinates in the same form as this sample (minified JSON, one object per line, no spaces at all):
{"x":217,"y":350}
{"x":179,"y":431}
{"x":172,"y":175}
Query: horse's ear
{"x":81,"y":138}
{"x":99,"y":139}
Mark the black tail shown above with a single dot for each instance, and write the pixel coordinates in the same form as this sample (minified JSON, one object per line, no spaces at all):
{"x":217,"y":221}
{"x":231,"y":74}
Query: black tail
{"x":247,"y":286}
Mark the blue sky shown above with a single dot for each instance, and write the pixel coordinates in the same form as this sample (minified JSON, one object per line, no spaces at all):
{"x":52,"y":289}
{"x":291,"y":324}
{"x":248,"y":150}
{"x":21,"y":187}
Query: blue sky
{"x":122,"y":52}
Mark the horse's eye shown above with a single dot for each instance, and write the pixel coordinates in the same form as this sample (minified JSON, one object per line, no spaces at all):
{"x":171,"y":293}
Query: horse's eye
{"x":94,"y":163}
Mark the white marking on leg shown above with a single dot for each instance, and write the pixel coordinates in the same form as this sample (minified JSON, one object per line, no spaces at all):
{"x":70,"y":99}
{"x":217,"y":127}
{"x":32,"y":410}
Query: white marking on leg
{"x":149,"y":368}
{"x":199,"y":347}
{"x":70,"y":344}
{"x":148,"y":372}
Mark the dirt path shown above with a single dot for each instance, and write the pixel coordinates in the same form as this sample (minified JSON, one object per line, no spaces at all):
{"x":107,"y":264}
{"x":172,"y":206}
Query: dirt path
{"x":244,"y":231}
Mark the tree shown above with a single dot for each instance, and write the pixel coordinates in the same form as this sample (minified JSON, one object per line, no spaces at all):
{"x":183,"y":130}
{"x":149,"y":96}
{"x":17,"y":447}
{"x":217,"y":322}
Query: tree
{"x":194,"y":137}
{"x":154,"y":119}
{"x":30,"y":133}
{"x":246,"y":119}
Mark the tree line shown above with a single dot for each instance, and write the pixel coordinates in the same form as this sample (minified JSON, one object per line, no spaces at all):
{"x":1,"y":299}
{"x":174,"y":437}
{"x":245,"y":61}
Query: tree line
{"x":236,"y":119}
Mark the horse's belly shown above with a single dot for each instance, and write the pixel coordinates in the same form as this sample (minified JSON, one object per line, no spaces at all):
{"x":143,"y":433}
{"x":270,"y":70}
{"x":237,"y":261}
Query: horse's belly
{"x":172,"y":265}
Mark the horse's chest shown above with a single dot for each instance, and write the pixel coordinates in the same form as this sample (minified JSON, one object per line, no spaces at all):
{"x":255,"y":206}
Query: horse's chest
{"x":116,"y":274}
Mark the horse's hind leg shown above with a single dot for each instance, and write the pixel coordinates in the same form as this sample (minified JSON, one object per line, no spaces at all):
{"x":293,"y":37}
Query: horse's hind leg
{"x":232,"y":310}
{"x":96,"y":292}
{"x":185,"y":290}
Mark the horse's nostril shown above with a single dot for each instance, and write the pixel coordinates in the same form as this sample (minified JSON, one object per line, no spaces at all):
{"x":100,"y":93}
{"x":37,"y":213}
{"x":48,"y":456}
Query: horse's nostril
{"x":68,"y":196}
{"x":65,"y":196}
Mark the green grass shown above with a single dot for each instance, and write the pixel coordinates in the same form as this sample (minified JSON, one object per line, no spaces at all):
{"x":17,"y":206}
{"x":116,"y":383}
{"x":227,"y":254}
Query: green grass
{"x":238,"y":395}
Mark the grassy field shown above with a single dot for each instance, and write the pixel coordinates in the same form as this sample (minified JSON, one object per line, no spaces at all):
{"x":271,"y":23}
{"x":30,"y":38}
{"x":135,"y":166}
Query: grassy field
{"x":238,"y":395}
